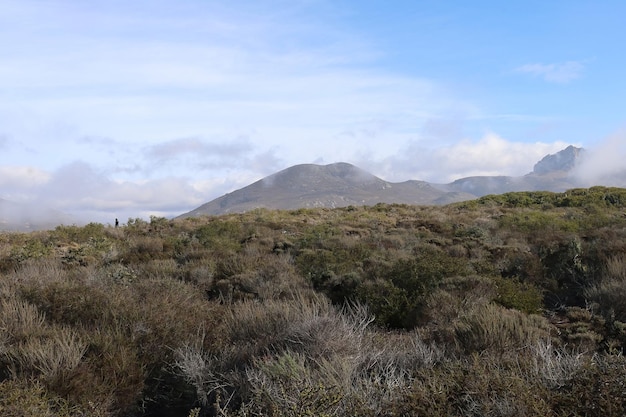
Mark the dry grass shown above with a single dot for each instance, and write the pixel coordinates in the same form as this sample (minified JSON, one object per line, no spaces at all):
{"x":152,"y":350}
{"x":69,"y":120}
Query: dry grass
{"x":496,"y":329}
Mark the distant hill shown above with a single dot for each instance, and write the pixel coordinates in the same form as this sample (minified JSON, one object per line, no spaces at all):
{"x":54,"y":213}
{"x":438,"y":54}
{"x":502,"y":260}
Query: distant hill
{"x":342,"y":184}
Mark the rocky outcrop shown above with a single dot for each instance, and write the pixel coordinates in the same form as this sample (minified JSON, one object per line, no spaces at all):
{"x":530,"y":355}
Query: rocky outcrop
{"x":564,"y":160}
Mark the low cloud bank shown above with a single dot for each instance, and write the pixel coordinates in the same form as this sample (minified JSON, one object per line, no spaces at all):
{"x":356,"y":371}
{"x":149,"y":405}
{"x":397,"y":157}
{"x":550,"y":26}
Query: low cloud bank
{"x":78,"y":193}
{"x":604,"y":164}
{"x":491,"y":155}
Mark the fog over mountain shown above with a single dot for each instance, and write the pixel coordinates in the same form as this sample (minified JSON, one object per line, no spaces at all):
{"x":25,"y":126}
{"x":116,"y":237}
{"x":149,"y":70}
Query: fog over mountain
{"x":604,"y":164}
{"x":342,"y":184}
{"x":27,"y":217}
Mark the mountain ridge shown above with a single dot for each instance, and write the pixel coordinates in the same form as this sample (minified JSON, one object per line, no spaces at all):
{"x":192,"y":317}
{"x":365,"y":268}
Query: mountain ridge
{"x":342,"y":184}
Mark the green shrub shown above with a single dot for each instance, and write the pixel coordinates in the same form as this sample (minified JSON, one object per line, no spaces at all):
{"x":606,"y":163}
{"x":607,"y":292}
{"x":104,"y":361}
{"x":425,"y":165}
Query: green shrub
{"x":32,"y":249}
{"x":78,"y":234}
{"x":522,"y":296}
{"x":222,"y":234}
{"x":390,"y":305}
{"x":397,"y":297}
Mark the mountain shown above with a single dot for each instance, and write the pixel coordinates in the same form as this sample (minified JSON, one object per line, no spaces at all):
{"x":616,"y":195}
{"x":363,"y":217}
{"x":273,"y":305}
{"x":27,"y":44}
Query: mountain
{"x":563,"y":161}
{"x":334,"y":185}
{"x":341,"y":184}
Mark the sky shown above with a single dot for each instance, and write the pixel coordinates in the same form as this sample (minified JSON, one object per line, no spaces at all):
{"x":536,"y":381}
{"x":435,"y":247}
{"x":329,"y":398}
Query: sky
{"x":130,"y":109}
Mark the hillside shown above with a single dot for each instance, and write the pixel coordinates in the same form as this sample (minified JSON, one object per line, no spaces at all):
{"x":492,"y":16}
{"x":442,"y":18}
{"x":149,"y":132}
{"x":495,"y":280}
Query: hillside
{"x":506,"y":305}
{"x":342,"y":185}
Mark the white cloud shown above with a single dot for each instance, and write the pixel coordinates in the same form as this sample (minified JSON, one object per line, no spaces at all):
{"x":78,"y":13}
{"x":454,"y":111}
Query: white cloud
{"x":490,"y":155}
{"x":561,"y":73}
{"x":15,"y":178}
{"x":81,"y":190}
{"x":603,"y":164}
{"x":200,"y":149}
{"x":152,"y":76}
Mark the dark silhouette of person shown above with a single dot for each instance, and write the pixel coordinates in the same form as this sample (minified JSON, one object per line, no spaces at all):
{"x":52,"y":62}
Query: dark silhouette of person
{"x":117,"y":223}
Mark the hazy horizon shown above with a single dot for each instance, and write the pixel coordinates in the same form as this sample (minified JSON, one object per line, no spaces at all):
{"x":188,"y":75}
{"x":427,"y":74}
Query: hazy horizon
{"x":129,"y":109}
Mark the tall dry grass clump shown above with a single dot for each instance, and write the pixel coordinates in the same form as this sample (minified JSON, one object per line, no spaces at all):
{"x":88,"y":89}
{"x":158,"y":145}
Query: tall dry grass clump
{"x":554,"y":367}
{"x":496,"y":329}
{"x":20,"y":320}
{"x":609,"y":295}
{"x":53,"y":358}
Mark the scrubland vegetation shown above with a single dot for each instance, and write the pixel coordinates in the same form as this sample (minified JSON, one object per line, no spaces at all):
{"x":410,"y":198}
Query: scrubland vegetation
{"x":510,"y":305}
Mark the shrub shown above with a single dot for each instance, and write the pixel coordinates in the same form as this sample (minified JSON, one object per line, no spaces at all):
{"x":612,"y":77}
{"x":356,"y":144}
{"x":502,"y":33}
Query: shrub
{"x":115,"y":376}
{"x":32,"y":249}
{"x":265,"y":340}
{"x":457,"y":298}
{"x":288,"y":387}
{"x":142,"y":249}
{"x":397,"y":298}
{"x":521,"y":296}
{"x":390,"y":305}
{"x":78,"y":234}
{"x":223,"y":234}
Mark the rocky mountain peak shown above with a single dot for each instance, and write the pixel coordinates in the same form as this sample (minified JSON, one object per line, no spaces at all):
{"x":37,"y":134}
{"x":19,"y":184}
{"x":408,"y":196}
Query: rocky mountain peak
{"x":563,"y":160}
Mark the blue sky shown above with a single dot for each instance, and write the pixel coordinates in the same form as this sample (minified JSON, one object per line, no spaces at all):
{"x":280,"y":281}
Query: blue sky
{"x":129,"y":109}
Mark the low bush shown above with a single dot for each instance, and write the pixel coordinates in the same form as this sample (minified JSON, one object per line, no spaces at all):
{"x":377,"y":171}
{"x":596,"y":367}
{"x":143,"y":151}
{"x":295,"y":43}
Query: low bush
{"x":523,"y":296}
